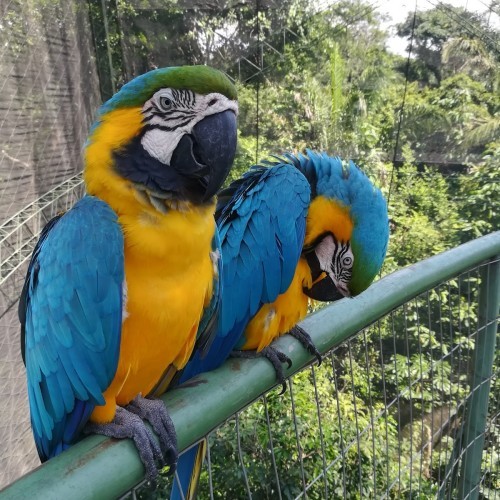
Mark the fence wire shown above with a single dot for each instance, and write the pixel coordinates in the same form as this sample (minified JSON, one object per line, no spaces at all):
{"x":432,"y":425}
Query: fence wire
{"x":383,"y":416}
{"x":49,"y":94}
{"x":57,"y":58}
{"x":18,"y":237}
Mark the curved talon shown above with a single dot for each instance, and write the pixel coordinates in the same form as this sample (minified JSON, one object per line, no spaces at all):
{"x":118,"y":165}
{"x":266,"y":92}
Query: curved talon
{"x":127,"y":425}
{"x":276,"y":358}
{"x":280,"y":355}
{"x":283,"y":388}
{"x":154,"y":412}
{"x":305,"y":339}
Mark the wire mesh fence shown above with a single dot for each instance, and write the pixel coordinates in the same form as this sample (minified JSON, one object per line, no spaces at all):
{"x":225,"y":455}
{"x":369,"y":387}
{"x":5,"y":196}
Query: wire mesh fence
{"x":48,"y":99}
{"x":384,"y":416}
{"x":49,"y":94}
{"x":18,"y":237}
{"x":59,"y":58}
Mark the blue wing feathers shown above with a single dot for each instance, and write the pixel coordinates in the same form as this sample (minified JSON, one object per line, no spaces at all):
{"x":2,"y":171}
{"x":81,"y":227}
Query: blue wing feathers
{"x":261,"y":220}
{"x":271,"y":222}
{"x":71,"y":316}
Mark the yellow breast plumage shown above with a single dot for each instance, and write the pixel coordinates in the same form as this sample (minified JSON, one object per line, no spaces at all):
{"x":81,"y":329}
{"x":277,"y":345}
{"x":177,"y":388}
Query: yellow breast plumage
{"x":168,"y":270}
{"x":286,"y":311}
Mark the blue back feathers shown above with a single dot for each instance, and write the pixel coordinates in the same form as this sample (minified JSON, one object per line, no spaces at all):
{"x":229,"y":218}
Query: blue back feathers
{"x":261,"y":219}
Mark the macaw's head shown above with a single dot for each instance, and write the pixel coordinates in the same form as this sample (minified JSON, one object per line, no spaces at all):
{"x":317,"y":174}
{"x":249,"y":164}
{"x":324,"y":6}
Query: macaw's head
{"x":347,"y":227}
{"x":168,"y":137}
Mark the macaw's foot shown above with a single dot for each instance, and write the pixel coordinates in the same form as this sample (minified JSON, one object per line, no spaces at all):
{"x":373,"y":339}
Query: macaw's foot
{"x":274,"y":356}
{"x":305,"y":339}
{"x":127,"y":425}
{"x":154,"y":412}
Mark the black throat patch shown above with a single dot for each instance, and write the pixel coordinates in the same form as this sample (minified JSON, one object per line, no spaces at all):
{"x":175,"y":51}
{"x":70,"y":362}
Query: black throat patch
{"x":135,"y":164}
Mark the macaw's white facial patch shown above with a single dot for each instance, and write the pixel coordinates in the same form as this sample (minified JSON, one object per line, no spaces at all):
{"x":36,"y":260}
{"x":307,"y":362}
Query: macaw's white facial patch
{"x":171,"y":113}
{"x":336,"y":259}
{"x":324,"y":251}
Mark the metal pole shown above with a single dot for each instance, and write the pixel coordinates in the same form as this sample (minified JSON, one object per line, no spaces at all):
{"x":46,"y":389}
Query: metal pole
{"x":477,"y":407}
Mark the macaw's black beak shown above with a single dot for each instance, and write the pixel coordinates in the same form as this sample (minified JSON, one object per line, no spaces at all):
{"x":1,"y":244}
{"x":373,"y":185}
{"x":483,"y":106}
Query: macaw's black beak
{"x":204,"y":157}
{"x":324,"y":290}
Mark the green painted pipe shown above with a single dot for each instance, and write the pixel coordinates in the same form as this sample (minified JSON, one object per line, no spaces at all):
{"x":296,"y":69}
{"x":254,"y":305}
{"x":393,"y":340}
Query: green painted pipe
{"x":103,"y":468}
{"x":476,"y":412}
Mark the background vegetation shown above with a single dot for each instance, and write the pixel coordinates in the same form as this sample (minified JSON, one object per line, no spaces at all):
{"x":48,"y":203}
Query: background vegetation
{"x":426,"y":129}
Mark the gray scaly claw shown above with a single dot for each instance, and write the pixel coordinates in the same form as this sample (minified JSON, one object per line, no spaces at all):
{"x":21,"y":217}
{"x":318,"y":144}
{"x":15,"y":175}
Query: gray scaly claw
{"x":305,"y":339}
{"x":154,"y":412}
{"x":127,"y":425}
{"x":276,"y":358}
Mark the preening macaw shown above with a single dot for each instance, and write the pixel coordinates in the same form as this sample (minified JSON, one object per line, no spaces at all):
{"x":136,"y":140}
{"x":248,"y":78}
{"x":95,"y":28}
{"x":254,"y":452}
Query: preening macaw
{"x":116,"y":287}
{"x":307,"y":226}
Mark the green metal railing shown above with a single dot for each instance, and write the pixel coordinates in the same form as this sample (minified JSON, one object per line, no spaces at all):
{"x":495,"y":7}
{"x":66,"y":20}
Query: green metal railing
{"x":401,"y":405}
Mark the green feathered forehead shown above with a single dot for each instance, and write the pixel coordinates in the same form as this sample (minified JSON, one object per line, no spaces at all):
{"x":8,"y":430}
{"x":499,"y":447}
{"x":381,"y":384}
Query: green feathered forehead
{"x":199,"y":79}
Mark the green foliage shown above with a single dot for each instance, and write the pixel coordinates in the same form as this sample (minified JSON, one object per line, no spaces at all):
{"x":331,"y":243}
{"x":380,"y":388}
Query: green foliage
{"x":337,"y":83}
{"x":256,"y":445}
{"x":479,"y":193}
{"x":421,"y":219}
{"x":434,"y":28}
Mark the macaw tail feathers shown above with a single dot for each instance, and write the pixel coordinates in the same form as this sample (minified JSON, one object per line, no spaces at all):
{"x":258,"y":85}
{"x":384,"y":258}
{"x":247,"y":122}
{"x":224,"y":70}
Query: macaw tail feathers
{"x":188,"y":472}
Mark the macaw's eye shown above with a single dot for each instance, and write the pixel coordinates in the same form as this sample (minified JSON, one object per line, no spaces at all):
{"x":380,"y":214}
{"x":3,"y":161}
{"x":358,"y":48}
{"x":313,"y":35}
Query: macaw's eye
{"x":166,"y":103}
{"x":347,"y":261}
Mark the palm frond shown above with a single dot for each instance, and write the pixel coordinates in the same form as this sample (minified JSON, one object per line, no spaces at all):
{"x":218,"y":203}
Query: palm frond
{"x":483,"y":133}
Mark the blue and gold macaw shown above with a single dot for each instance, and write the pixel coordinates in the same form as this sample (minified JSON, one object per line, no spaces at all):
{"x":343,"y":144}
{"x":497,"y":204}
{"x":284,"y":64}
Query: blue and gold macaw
{"x":307,"y":226}
{"x":117,"y":286}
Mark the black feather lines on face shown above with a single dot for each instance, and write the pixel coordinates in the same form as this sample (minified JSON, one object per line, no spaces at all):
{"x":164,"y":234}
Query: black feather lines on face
{"x":339,"y":271}
{"x":179,"y":115}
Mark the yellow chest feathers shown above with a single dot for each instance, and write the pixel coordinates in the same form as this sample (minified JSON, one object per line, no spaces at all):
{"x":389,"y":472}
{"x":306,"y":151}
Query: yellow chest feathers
{"x":169,"y":275}
{"x":285,"y":312}
{"x":168,"y":268}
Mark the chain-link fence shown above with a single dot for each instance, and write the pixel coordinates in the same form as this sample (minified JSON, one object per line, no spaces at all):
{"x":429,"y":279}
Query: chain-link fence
{"x":59,"y":59}
{"x":49,"y":94}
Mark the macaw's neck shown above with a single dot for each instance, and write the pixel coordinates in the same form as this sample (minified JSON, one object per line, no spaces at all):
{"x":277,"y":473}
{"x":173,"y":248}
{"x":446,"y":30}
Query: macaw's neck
{"x":175,"y":235}
{"x":283,"y":314}
{"x":113,"y":132}
{"x":177,"y":238}
{"x":326,"y":215}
